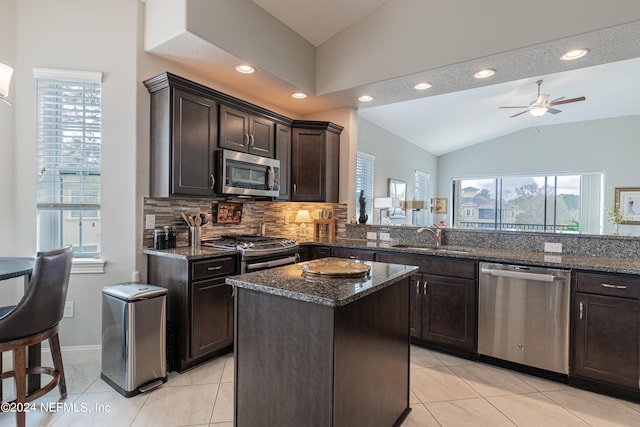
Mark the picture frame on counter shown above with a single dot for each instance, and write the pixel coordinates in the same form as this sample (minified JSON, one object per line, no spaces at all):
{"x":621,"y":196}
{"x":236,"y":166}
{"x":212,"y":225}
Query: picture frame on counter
{"x":627,"y":199}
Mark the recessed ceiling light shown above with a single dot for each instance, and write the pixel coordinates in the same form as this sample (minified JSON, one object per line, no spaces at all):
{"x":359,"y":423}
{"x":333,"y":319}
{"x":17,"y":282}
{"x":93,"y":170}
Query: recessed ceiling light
{"x":574,"y":54}
{"x":422,"y":86}
{"x":299,"y":95}
{"x":483,"y":74}
{"x":245,"y":69}
{"x":365,"y":98}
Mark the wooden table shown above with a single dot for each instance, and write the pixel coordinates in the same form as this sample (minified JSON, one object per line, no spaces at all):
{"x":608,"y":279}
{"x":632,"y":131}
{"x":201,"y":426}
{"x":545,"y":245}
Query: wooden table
{"x":11,"y":267}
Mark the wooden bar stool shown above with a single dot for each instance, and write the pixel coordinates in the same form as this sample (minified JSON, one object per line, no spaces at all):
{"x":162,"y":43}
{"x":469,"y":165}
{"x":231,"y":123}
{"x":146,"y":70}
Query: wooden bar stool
{"x":34,"y":319}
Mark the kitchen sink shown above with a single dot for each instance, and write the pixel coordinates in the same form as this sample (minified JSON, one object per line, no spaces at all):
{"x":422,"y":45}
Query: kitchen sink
{"x":432,"y":248}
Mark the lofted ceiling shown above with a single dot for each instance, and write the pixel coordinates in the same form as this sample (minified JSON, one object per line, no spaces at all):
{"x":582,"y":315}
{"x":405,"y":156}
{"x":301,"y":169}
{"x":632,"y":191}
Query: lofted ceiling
{"x":458,"y":111}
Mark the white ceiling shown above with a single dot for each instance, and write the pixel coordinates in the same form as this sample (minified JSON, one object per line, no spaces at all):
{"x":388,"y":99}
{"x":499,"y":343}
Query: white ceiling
{"x":458,"y":111}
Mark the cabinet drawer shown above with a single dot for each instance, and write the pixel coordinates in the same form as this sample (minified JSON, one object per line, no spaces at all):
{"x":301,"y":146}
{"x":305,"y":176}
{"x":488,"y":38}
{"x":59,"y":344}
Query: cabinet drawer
{"x":436,"y":265}
{"x":619,"y":285}
{"x":215,"y":267}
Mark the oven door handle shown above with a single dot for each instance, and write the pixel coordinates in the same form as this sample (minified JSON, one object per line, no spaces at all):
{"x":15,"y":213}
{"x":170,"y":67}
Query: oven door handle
{"x":272,"y":263}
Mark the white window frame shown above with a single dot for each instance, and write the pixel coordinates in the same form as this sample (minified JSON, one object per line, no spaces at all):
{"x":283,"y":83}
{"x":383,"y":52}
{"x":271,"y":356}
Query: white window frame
{"x":365,"y":163}
{"x":50,"y":171}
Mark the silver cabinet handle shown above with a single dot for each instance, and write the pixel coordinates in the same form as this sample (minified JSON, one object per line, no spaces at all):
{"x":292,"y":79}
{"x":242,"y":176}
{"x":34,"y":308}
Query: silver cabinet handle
{"x":418,"y":287}
{"x":246,"y":137}
{"x":581,"y":310}
{"x":295,"y":189}
{"x":252,"y":140}
{"x":606,"y":285}
{"x":212,"y":181}
{"x":425,"y":289}
{"x":214,"y":268}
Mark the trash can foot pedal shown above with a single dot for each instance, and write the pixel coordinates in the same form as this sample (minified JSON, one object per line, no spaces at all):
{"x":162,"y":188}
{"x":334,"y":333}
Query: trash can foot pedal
{"x":150,"y":386}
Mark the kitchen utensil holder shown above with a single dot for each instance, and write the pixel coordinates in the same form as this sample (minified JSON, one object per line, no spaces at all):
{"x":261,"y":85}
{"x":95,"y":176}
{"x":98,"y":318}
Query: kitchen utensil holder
{"x":195,"y":236}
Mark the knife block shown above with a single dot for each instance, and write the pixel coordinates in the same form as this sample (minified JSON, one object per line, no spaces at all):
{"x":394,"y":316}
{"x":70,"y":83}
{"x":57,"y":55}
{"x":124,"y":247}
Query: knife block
{"x":324,"y":230}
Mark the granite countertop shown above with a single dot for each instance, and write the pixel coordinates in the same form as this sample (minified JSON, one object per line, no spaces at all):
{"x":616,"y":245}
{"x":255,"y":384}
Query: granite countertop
{"x":190,"y":253}
{"x":552,"y":260}
{"x":288,"y":281}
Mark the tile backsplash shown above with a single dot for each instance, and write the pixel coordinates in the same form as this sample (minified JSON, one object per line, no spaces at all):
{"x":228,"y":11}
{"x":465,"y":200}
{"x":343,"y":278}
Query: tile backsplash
{"x":277,"y":217}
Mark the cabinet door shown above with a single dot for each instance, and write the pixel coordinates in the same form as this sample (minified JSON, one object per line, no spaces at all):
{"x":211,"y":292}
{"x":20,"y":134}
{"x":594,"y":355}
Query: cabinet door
{"x":193,"y":144}
{"x":234,"y":129}
{"x":308,"y":165}
{"x":607,"y":339}
{"x":449,"y":311}
{"x":283,"y":153}
{"x":211,"y":317}
{"x":321,"y":252}
{"x":415,"y":306}
{"x":261,"y":137}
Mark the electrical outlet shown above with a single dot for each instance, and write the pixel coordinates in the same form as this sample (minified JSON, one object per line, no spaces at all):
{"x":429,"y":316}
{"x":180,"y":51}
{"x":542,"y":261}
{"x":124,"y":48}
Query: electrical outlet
{"x":135,"y":277}
{"x":553,"y":247}
{"x":150,"y":222}
{"x":68,"y":309}
{"x":372,"y":235}
{"x":385,"y":236}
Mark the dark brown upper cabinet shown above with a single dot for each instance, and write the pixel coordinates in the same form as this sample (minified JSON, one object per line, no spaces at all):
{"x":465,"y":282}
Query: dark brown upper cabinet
{"x":248,"y":133}
{"x":315,"y":161}
{"x":184,"y":127}
{"x":283,"y":153}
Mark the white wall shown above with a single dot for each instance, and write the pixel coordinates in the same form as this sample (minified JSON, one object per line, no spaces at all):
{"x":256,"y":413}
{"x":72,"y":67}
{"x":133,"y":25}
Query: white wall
{"x":609,"y":145}
{"x":395,"y":158}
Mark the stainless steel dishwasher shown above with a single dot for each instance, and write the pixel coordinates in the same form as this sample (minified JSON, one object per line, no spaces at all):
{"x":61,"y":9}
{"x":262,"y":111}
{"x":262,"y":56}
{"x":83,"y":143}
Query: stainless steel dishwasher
{"x":523,"y":315}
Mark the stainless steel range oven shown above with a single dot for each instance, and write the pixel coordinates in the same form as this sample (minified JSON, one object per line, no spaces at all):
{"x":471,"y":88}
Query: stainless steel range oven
{"x":258,"y":252}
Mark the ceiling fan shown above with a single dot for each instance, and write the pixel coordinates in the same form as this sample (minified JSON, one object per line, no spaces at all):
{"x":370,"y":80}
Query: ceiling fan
{"x":542,"y":104}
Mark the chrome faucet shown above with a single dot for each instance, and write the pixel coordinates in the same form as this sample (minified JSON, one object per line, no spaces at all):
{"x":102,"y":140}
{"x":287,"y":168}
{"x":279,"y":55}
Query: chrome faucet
{"x":436,"y":233}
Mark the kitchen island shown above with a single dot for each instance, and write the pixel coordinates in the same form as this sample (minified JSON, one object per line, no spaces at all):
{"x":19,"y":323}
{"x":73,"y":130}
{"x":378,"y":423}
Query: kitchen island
{"x":315,"y":350}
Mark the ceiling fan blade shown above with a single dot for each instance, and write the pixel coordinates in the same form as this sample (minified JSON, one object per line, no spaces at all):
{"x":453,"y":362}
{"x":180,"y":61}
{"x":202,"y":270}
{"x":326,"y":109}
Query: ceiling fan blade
{"x":522,"y":106}
{"x":566,"y":101}
{"x":516,"y":115}
{"x":556,"y":100}
{"x":554,"y":111}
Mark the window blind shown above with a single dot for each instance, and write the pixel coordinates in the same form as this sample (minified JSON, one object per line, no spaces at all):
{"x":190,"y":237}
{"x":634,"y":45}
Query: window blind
{"x":69,"y":139}
{"x":421,"y":192}
{"x":364,"y":181}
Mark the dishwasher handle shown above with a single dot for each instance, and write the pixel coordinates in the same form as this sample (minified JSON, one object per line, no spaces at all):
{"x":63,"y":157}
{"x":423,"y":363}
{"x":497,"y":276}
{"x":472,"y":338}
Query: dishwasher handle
{"x":519,"y":275}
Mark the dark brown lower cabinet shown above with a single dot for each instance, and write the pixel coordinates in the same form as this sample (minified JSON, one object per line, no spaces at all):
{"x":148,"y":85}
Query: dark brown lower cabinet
{"x":211,"y":317}
{"x":607,"y":339}
{"x":443,"y":310}
{"x":199,"y":307}
{"x":360,"y":254}
{"x":443,"y":307}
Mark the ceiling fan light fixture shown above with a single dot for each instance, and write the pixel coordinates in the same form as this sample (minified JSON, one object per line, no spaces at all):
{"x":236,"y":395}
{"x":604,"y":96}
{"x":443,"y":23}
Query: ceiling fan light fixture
{"x":422,"y":86}
{"x":484,"y":73}
{"x":538,"y":111}
{"x":574,"y":54}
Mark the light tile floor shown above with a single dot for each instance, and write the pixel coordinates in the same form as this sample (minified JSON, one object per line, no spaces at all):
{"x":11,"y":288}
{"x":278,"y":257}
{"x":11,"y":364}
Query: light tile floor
{"x":445,"y":391}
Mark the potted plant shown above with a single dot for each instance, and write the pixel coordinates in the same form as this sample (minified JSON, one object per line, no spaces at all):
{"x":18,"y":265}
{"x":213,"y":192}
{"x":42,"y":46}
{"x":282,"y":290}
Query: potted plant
{"x":615,"y":216}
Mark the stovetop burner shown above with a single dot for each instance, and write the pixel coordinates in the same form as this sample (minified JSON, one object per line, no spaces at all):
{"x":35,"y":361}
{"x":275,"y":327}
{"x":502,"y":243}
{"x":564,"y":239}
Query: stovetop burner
{"x":251,"y":244}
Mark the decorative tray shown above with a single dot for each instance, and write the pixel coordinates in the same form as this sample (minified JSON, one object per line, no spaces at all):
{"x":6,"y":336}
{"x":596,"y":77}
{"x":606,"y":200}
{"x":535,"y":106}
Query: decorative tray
{"x":336,"y":267}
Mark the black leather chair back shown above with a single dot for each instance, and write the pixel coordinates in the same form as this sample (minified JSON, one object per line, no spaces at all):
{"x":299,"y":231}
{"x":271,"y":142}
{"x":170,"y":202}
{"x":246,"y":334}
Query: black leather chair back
{"x":42,"y":304}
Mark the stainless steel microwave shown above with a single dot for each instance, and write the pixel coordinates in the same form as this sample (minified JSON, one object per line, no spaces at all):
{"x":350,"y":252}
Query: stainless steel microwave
{"x":244,"y":174}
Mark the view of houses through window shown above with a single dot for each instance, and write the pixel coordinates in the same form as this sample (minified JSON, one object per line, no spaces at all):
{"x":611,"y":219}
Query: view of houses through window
{"x":537,"y":203}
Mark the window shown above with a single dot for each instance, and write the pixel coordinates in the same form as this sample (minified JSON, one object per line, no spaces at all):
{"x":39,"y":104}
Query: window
{"x":421,"y":192}
{"x":68,"y":160}
{"x":557,"y":203}
{"x":364,"y":181}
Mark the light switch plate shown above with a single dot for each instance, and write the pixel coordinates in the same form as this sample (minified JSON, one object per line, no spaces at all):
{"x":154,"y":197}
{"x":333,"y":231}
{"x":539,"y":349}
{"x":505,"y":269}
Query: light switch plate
{"x":150,"y":222}
{"x":372,"y":235}
{"x":553,"y":247}
{"x":385,"y":236}
{"x":68,"y":309}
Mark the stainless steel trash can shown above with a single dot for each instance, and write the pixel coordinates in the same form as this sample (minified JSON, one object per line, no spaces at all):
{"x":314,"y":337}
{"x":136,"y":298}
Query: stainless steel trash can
{"x":134,"y":337}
